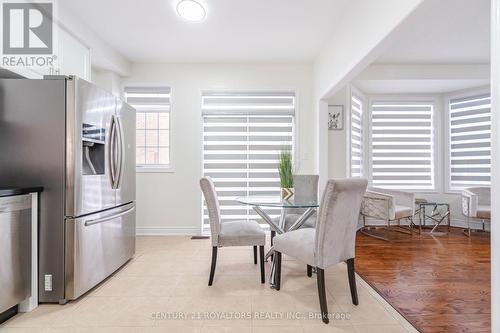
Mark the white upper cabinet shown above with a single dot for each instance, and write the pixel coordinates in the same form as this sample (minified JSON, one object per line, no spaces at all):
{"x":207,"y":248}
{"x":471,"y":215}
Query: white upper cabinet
{"x":74,"y":56}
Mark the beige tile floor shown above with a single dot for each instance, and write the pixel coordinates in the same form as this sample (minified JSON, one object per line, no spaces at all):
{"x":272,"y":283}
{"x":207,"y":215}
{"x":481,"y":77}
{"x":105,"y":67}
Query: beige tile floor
{"x":168,"y":277}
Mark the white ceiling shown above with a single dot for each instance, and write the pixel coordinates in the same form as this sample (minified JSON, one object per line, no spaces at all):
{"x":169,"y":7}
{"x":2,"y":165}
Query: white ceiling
{"x":444,"y":31}
{"x":234,"y":30}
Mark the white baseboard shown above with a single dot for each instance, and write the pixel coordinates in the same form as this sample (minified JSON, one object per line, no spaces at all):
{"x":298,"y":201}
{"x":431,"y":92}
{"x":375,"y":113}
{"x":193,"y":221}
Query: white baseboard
{"x":168,"y":231}
{"x":196,"y":231}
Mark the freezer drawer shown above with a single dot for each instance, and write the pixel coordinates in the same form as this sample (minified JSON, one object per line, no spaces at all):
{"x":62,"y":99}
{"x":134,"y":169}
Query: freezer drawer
{"x":96,"y":246}
{"x":15,"y":250}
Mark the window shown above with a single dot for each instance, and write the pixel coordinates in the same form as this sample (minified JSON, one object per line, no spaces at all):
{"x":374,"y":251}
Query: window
{"x":402,"y":155}
{"x":357,"y":153}
{"x":153,"y":125}
{"x":243,"y":134}
{"x":470,"y":141}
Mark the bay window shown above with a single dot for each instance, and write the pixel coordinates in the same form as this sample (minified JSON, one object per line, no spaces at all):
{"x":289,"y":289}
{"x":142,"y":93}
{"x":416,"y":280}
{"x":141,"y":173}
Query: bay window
{"x":402,"y":144}
{"x":469,"y":141}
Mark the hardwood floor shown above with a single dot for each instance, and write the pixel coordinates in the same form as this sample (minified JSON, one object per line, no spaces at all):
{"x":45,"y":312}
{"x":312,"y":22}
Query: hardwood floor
{"x":438,"y":283}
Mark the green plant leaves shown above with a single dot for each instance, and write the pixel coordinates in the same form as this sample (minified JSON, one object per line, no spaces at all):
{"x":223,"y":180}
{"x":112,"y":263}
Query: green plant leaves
{"x":285,"y":169}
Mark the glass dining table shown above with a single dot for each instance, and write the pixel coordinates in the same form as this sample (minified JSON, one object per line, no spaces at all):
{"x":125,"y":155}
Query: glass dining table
{"x":259,"y":203}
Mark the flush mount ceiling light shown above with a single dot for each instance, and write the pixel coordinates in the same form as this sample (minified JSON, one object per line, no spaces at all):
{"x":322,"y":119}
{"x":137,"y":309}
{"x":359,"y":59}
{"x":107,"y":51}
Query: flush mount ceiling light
{"x":191,"y":10}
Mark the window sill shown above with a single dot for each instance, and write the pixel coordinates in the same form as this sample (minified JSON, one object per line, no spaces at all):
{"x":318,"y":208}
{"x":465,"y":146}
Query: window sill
{"x":409,"y":190}
{"x":423,"y":191}
{"x":456,"y":192}
{"x":154,"y":170}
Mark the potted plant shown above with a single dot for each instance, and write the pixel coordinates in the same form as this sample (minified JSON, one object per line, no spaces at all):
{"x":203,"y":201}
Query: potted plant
{"x":286,"y":174}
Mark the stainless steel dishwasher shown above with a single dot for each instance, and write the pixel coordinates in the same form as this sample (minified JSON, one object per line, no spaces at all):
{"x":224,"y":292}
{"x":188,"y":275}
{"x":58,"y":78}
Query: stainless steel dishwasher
{"x":15,"y":250}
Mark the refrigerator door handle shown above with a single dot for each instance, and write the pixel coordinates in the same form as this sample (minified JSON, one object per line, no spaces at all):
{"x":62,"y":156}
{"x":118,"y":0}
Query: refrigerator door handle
{"x":121,"y":153}
{"x":112,"y":151}
{"x":117,"y":152}
{"x":108,"y":218}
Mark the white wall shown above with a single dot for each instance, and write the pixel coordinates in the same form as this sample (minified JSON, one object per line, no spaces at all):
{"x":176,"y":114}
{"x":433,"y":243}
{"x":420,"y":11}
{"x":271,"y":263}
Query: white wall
{"x":360,"y":35}
{"x":427,"y":72}
{"x":108,"y":80}
{"x":171,"y":202}
{"x":358,"y":38}
{"x":337,"y":139}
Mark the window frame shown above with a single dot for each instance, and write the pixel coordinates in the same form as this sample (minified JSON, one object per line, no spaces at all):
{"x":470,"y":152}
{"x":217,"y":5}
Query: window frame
{"x":353,"y":91}
{"x":157,"y":168}
{"x":435,"y":100}
{"x":447,"y":135}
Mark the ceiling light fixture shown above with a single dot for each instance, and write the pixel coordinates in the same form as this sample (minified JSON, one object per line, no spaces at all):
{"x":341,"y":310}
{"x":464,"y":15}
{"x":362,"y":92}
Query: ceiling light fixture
{"x":191,"y":10}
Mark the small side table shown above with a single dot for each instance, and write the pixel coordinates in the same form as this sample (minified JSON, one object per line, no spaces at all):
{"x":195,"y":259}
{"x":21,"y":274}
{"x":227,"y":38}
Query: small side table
{"x":436,"y":215}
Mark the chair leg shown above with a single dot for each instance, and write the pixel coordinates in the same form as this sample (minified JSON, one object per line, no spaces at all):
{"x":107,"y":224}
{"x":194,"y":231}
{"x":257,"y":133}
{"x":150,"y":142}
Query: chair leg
{"x":388,"y":230}
{"x":309,"y":270}
{"x":320,"y":274}
{"x":214,"y":262}
{"x":352,"y":281}
{"x":273,"y":233}
{"x":277,"y":274}
{"x":255,"y":255}
{"x":468,"y":226}
{"x":262,"y":269}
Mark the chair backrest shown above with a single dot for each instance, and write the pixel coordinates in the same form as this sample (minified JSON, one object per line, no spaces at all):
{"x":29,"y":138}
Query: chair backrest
{"x":208,"y":189}
{"x":394,"y":197}
{"x":337,"y":222}
{"x":483,"y":194}
{"x":472,"y":197}
{"x":306,"y":189}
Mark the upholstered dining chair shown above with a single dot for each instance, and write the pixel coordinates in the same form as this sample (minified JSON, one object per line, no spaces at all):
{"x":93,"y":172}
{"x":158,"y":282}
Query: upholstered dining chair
{"x":333,"y":239}
{"x":230,"y":233}
{"x":305,"y":189}
{"x":476,"y":203}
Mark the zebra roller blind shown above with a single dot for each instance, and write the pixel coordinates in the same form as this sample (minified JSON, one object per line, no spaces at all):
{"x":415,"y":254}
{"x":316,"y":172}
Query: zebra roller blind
{"x":470,"y":141}
{"x":402,"y":145}
{"x":243,"y":133}
{"x":356,"y":136}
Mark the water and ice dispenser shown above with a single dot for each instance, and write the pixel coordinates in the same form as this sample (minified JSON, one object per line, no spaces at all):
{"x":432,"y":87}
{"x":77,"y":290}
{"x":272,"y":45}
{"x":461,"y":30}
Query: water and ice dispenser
{"x":93,"y":150}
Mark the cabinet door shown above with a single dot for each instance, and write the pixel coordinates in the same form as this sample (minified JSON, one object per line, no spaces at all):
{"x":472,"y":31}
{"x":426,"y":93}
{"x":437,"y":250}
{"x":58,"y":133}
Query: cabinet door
{"x":15,"y":250}
{"x":74,"y":56}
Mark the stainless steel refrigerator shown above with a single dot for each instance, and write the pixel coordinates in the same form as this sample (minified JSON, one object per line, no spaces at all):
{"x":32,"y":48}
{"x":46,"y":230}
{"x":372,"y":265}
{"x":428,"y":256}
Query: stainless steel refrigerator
{"x":78,"y":142}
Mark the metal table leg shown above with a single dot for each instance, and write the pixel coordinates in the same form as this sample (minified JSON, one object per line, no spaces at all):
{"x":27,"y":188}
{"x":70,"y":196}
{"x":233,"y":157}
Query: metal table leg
{"x":420,"y":220}
{"x":280,"y":229}
{"x":435,"y":216}
{"x":268,"y":219}
{"x":302,"y":219}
